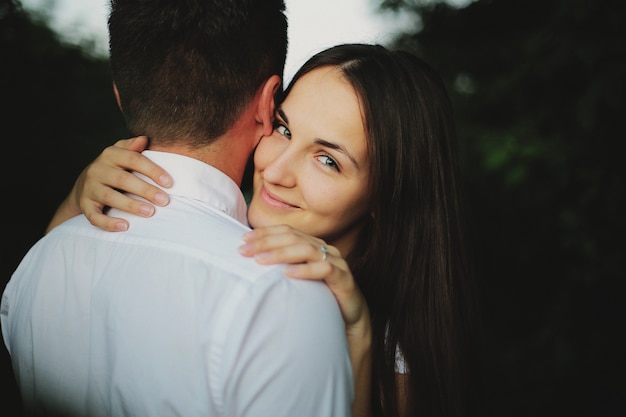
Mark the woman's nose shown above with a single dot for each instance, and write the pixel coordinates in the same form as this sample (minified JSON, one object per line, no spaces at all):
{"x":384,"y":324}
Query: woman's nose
{"x":282,"y":169}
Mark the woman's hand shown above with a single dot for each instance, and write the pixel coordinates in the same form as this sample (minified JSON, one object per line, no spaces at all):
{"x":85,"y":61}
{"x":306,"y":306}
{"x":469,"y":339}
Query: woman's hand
{"x":103,"y":182}
{"x":304,"y":254}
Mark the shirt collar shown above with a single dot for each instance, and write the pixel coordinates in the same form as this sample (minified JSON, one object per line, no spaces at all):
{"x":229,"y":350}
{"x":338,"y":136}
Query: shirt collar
{"x":200,"y":181}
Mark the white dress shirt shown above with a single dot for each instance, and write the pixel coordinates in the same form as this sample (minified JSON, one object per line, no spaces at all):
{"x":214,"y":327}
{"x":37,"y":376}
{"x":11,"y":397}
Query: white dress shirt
{"x":167,"y":319}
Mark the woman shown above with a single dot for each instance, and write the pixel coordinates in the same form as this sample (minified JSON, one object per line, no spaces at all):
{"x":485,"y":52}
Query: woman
{"x":363,"y":158}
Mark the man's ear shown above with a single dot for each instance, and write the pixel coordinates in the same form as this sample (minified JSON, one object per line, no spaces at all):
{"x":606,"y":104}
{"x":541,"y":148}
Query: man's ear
{"x":267,"y":104}
{"x":117,"y":96}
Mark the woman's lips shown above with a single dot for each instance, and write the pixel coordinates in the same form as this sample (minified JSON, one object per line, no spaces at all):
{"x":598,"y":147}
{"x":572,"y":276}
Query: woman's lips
{"x":271,"y":200}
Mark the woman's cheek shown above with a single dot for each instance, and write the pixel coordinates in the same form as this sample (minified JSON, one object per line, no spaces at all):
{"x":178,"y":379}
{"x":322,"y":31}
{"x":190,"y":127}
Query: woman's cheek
{"x":265,"y":152}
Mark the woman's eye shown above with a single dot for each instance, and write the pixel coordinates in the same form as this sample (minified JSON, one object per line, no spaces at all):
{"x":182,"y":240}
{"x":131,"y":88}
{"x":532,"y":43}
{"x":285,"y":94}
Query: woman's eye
{"x":282,"y":129}
{"x":328,"y":161}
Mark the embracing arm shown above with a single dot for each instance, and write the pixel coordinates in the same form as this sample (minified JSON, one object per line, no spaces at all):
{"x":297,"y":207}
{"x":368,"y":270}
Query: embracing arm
{"x":97,"y":187}
{"x":283,"y":244}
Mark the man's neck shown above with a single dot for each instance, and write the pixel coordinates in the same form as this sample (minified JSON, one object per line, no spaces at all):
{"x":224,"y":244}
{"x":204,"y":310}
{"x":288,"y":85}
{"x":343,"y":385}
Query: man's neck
{"x":230,"y":152}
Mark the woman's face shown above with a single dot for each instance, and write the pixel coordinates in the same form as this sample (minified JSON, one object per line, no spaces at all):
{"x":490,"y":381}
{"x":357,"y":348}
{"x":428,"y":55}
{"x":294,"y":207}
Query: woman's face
{"x":312,"y":172}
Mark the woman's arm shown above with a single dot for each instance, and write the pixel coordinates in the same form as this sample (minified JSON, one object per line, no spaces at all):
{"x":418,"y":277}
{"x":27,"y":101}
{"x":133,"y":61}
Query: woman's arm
{"x":98,"y":185}
{"x":283,"y":244}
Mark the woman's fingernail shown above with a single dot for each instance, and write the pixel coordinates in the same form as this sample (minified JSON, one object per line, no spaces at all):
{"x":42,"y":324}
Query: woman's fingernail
{"x":165,"y":180}
{"x":262,"y":256}
{"x":146,"y":210}
{"x":121,"y":226}
{"x":161,"y":198}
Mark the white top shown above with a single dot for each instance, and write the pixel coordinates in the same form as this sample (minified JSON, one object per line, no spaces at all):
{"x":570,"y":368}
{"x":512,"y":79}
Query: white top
{"x":167,"y":319}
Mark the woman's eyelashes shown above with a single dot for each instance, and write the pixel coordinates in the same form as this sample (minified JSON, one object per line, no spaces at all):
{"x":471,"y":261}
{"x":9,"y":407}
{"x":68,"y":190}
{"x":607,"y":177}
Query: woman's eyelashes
{"x":328,"y":161}
{"x":282,"y":129}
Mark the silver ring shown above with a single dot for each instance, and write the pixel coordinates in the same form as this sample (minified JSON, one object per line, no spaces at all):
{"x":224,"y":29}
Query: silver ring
{"x":324,"y":250}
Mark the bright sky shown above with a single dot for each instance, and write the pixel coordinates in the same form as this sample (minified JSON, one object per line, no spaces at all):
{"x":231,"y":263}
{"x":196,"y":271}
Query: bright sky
{"x":313,"y":24}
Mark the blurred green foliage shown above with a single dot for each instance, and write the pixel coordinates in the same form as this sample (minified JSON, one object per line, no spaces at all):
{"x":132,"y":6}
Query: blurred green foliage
{"x":539,"y":88}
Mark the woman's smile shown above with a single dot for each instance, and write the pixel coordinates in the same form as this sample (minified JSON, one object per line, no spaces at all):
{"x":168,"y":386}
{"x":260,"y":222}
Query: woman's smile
{"x":274,"y":201}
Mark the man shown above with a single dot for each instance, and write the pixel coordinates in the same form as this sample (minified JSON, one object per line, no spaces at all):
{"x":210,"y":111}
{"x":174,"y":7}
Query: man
{"x":167,"y":319}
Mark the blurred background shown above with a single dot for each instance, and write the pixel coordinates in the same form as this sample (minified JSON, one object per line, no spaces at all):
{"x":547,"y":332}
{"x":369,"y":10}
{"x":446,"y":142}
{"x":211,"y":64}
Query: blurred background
{"x":539,"y":88}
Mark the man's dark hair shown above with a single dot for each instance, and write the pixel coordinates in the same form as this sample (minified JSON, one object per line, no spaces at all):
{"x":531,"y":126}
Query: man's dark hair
{"x":185,"y":69}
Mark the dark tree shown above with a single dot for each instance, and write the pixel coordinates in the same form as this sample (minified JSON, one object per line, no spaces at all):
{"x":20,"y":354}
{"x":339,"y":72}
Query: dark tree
{"x":59,"y":112}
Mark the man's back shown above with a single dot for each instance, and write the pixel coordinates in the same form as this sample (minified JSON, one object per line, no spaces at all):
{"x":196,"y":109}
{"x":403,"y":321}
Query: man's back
{"x":167,"y":318}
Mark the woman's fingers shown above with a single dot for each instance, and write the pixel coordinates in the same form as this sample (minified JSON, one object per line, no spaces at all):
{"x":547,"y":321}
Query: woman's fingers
{"x":125,"y":154}
{"x":272,"y":250}
{"x":137,"y":144}
{"x":303,"y":253}
{"x":105,"y":222}
{"x":279,"y":229}
{"x":103,"y":183}
{"x":283,"y":244}
{"x":305,"y":259}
